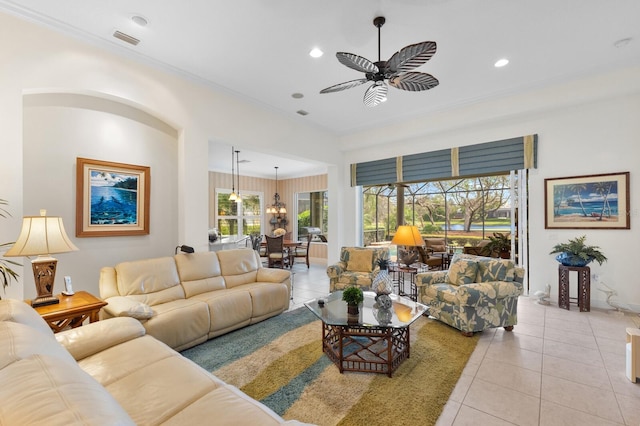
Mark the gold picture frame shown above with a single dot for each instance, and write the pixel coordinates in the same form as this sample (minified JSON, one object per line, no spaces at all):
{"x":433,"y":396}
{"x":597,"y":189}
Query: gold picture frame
{"x":112,"y":199}
{"x":587,"y":202}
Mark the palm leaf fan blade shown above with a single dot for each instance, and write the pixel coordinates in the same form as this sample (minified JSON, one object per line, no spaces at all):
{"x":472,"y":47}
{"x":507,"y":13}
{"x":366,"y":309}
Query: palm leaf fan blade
{"x":376,"y":94}
{"x":344,"y":86}
{"x":411,"y":57}
{"x":356,"y":62}
{"x":414,"y":81}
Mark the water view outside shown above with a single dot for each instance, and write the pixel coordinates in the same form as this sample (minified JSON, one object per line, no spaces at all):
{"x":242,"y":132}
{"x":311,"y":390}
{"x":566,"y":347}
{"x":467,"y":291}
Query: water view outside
{"x":114,"y":198}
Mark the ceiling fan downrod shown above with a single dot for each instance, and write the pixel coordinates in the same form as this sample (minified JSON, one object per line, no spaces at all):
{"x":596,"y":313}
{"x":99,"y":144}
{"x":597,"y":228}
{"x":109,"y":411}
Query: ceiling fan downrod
{"x":379,"y":22}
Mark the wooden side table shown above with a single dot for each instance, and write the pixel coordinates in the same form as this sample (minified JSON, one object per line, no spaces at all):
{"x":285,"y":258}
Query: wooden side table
{"x":633,"y":354}
{"x":72,"y":311}
{"x":402,"y":274}
{"x":584,"y":287}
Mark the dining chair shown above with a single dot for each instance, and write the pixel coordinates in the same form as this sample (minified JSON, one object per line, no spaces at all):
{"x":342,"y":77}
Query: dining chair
{"x":300,"y":252}
{"x":276,"y":253}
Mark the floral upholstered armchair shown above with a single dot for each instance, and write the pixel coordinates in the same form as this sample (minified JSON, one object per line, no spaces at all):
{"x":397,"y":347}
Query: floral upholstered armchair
{"x":357,"y":266}
{"x":475,"y":294}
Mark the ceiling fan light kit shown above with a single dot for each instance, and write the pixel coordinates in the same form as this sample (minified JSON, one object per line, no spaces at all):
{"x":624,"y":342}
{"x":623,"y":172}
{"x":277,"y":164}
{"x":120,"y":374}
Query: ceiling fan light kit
{"x":396,"y":71}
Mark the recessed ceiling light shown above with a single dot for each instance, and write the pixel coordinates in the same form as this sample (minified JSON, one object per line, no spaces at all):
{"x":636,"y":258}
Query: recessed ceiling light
{"x":501,"y":63}
{"x":140,"y":20}
{"x":297,"y":96}
{"x":302,"y":112}
{"x":316,"y":53}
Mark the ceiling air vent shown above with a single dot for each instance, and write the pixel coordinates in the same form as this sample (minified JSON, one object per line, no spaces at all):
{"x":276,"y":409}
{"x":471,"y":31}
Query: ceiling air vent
{"x":126,"y":38}
{"x":302,"y":112}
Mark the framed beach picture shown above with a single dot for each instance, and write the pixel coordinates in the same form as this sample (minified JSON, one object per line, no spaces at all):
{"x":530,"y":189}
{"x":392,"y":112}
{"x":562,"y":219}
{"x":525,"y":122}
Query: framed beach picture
{"x":112,"y":199}
{"x":587,"y":202}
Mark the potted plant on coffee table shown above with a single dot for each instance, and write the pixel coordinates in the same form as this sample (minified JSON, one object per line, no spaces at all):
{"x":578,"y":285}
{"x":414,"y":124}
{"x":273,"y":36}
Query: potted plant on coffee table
{"x":353,"y":296}
{"x":576,"y":253}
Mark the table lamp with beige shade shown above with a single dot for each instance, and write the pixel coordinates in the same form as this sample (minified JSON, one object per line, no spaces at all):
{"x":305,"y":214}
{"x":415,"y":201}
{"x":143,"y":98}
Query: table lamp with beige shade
{"x":408,"y":236}
{"x":42,"y":236}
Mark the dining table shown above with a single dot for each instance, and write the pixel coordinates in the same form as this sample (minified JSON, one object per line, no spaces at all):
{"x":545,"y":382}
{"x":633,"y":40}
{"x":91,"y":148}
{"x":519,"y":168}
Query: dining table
{"x":286,"y":243}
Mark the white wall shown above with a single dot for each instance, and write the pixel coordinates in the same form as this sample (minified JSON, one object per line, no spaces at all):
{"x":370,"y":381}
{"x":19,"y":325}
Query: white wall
{"x":38,"y":60}
{"x":584,"y":127}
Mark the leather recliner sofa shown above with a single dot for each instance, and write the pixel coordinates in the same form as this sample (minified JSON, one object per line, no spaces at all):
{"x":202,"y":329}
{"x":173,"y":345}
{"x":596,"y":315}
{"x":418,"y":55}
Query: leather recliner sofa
{"x":189,"y":298}
{"x":108,"y":373}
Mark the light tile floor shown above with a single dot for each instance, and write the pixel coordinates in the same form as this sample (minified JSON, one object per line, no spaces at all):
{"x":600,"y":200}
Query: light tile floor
{"x":557,"y":367}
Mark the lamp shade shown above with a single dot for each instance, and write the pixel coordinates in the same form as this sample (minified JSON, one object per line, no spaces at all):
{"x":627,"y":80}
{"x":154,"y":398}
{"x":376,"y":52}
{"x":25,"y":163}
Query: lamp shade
{"x":41,"y":235}
{"x":407,"y":235}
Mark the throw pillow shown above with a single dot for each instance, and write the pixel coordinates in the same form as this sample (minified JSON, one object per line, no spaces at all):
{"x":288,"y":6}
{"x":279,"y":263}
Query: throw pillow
{"x":360,"y":260}
{"x":462,"y":271}
{"x":495,"y":270}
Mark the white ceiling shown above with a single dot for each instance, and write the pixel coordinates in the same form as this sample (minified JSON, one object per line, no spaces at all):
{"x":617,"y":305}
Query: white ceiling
{"x":258,"y":49}
{"x":258,"y":164}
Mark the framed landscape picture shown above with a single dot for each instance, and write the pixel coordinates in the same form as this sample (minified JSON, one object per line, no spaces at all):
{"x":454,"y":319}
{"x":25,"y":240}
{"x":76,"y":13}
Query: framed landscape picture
{"x":112,"y":199}
{"x":587,"y":202}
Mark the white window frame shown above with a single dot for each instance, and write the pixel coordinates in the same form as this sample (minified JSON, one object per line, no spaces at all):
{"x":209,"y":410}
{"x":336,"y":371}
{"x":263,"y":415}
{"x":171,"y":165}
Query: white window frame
{"x":240,"y":216}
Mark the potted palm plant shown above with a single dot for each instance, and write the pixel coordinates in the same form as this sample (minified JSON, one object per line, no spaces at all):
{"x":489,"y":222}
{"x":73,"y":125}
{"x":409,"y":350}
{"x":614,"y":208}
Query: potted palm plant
{"x":499,"y":244}
{"x":6,"y":273}
{"x":353,"y":296}
{"x":576,"y":253}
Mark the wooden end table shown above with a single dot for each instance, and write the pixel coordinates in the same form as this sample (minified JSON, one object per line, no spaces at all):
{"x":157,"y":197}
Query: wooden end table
{"x":403,"y":274}
{"x":72,"y":311}
{"x":584,"y":287}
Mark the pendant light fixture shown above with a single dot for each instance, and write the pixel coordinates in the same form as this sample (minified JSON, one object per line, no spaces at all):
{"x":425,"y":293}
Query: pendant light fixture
{"x":232,"y":196}
{"x":239,"y":198}
{"x":277,"y":207}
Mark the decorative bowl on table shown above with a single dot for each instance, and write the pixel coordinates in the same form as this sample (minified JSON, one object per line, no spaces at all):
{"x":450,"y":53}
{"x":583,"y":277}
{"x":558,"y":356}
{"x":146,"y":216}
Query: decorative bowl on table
{"x":568,"y":259}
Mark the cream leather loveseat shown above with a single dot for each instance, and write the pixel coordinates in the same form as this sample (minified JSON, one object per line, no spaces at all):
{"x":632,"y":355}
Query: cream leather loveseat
{"x":108,"y":373}
{"x":189,"y":298}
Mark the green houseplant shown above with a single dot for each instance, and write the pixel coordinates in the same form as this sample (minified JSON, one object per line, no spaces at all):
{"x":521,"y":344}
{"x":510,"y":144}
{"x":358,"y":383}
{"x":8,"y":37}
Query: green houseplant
{"x":6,"y":273}
{"x":500,"y":244}
{"x":353,"y":296}
{"x":576,"y":253}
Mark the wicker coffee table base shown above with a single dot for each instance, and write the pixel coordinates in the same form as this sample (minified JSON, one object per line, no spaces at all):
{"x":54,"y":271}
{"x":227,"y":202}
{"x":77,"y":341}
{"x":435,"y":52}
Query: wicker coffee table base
{"x":365,"y":349}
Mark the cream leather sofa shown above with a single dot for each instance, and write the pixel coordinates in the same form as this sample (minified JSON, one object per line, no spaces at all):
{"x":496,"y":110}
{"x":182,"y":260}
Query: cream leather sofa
{"x":108,"y":373}
{"x":189,"y":298}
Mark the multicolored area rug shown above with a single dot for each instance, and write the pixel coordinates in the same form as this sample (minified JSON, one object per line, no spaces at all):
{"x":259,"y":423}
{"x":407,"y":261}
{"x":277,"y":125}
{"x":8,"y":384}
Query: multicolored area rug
{"x":280,"y":363}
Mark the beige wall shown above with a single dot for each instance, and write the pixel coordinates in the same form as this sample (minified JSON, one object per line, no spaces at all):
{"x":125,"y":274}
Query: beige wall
{"x":287,"y":188}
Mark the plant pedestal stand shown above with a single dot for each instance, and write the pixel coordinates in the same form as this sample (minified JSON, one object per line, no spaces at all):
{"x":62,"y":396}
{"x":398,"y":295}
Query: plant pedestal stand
{"x":584,"y":287}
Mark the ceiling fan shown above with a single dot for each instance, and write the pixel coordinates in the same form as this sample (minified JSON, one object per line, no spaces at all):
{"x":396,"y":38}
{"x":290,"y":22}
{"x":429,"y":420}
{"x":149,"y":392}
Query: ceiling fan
{"x":395,"y":70}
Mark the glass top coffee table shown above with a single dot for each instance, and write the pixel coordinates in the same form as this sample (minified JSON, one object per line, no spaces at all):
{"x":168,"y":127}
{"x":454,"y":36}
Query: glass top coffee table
{"x":376,"y":340}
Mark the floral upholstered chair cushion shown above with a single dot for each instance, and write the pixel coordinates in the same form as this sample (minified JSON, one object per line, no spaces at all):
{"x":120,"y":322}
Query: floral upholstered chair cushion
{"x":357,"y":266}
{"x":496,"y":270}
{"x":462,"y":271}
{"x":490,"y":300}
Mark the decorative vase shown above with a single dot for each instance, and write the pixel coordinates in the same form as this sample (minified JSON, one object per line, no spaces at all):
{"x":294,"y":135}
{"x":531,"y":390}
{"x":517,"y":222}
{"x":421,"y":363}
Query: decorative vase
{"x":353,"y":309}
{"x":382,"y":283}
{"x":568,"y":259}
